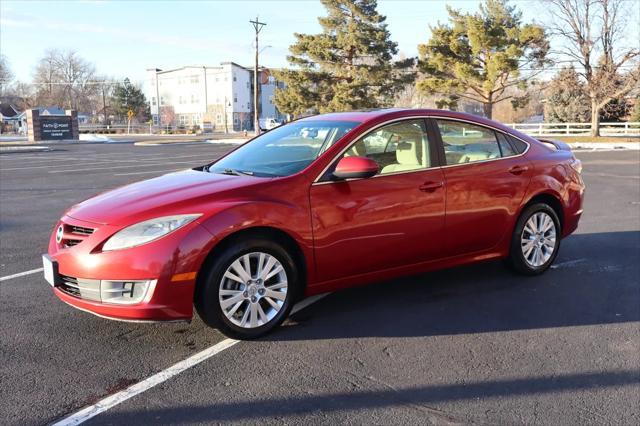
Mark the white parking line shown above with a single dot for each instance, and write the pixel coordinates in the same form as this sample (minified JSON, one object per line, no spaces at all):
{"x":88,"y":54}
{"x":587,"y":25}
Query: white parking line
{"x":21,"y":274}
{"x":117,"y":398}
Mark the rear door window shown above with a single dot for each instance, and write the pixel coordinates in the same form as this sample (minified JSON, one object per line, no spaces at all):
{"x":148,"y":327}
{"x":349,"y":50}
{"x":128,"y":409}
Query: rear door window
{"x":519,"y":146}
{"x":505,"y":146}
{"x":467,"y":143}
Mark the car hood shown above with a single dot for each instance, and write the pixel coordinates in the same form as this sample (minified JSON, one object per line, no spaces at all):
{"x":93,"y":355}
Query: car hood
{"x":183,"y":192}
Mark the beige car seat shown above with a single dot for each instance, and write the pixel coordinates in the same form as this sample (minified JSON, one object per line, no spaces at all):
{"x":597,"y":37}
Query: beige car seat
{"x":406,"y":157}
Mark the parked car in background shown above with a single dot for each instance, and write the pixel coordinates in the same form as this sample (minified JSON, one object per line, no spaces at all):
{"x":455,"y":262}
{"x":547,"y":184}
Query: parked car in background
{"x":317,"y":205}
{"x":269,"y":123}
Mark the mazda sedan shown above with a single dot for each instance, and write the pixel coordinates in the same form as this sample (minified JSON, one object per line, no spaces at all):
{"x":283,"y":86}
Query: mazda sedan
{"x":320,"y":204}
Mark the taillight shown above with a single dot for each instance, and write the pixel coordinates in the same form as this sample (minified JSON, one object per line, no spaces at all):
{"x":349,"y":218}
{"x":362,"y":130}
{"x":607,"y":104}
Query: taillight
{"x":576,"y":165}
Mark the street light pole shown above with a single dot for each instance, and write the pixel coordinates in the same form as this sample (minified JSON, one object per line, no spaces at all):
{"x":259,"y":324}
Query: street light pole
{"x":257,"y":25}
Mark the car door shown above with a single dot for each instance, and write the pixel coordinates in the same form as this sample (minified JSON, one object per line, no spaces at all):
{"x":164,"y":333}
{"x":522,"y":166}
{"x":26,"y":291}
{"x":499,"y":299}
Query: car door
{"x":393,"y":219}
{"x":486,"y":180}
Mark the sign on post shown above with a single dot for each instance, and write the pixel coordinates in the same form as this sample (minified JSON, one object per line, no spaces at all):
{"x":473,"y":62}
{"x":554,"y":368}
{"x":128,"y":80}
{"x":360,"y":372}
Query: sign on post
{"x":55,"y":127}
{"x":47,"y":127}
{"x":130,"y":115}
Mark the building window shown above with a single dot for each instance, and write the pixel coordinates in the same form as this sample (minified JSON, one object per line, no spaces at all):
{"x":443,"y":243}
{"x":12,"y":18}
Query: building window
{"x":155,"y":120}
{"x":235,"y":98}
{"x":195,"y":79}
{"x":236,"y":121}
{"x":234,"y":78}
{"x":194,"y":99}
{"x":161,"y":100}
{"x":153,"y":101}
{"x":219,"y":118}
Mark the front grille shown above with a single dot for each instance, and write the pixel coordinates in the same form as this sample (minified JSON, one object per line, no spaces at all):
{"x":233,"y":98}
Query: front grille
{"x":74,"y":235}
{"x":79,"y":287}
{"x":80,"y":230}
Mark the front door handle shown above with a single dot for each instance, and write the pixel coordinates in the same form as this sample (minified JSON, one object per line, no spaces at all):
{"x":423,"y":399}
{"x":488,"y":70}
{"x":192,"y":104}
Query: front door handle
{"x":430,"y":186}
{"x":517,"y":170}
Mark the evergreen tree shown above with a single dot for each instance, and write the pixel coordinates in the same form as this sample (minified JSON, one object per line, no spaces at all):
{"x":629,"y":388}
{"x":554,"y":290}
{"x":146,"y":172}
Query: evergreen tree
{"x":348,"y":66}
{"x":479,"y":56}
{"x":566,"y":99}
{"x":127,"y":97}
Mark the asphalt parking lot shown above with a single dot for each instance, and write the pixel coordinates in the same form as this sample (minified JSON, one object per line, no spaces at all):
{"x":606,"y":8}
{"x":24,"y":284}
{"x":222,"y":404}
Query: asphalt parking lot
{"x":470,"y":345}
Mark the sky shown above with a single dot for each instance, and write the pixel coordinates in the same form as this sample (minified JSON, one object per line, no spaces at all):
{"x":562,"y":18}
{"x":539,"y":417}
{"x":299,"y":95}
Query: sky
{"x":124,"y":38}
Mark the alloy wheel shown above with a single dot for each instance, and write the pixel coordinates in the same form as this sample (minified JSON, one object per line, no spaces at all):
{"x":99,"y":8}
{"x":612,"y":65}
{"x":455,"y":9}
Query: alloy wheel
{"x":538,"y":239}
{"x":253,"y":290}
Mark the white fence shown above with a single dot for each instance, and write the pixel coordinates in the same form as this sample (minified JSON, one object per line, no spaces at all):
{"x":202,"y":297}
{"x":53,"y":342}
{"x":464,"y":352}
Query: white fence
{"x":577,"y":129}
{"x":533,"y":129}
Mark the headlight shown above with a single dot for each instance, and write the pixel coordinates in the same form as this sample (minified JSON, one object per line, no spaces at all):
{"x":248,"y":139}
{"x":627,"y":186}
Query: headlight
{"x":147,"y":231}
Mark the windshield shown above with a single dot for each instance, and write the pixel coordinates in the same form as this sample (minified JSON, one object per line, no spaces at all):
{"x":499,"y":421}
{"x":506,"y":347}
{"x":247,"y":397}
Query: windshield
{"x":285,"y":150}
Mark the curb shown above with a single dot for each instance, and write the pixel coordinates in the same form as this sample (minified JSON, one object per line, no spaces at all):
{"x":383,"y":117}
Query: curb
{"x":10,"y":149}
{"x":192,"y":142}
{"x":64,"y":142}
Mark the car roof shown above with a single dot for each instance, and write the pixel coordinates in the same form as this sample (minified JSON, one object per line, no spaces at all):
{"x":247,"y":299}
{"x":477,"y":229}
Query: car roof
{"x":364,"y":116}
{"x":380,"y":115}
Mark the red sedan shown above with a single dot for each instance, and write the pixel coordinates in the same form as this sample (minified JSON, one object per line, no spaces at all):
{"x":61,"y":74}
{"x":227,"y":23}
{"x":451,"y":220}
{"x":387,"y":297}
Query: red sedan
{"x":317,"y":205}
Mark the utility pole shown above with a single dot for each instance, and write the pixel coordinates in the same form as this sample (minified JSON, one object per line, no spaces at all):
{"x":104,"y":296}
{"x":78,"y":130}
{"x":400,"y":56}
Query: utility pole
{"x":257,"y":25}
{"x":104,"y":105}
{"x":158,"y":102}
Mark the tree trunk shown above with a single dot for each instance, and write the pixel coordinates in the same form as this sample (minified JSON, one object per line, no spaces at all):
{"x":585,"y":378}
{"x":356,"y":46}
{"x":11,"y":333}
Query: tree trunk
{"x":487,"y":109}
{"x":595,"y":119}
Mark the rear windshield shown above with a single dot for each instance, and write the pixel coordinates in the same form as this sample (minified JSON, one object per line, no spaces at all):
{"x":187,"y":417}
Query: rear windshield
{"x":285,"y":150}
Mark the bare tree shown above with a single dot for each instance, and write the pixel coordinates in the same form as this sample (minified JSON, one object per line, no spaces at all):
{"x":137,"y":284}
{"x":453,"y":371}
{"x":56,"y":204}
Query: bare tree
{"x":64,"y":79}
{"x":6,"y":76}
{"x":591,"y":33}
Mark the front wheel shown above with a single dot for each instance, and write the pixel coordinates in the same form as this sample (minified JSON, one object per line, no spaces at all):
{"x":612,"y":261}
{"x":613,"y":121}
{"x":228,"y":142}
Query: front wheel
{"x":536,"y":240}
{"x":249,"y":289}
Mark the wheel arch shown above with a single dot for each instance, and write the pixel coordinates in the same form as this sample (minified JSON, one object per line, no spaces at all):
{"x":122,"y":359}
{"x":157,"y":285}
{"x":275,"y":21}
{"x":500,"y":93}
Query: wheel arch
{"x":552,"y":200}
{"x":268,"y":232}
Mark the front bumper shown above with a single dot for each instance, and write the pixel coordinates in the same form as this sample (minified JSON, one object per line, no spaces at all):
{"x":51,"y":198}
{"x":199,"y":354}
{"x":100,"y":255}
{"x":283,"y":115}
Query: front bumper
{"x":169,"y":264}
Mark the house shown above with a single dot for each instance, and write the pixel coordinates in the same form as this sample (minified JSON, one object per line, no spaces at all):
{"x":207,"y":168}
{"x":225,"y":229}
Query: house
{"x":10,"y":118}
{"x":51,"y":110}
{"x":193,"y":95}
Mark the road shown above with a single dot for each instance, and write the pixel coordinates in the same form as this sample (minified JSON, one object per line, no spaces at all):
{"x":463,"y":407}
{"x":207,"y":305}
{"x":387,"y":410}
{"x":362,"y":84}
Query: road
{"x":470,"y":345}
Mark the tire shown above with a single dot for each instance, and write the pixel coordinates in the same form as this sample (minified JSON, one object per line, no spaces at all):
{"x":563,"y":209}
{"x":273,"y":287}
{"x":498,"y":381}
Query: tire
{"x":218,"y":297}
{"x":532,"y":253}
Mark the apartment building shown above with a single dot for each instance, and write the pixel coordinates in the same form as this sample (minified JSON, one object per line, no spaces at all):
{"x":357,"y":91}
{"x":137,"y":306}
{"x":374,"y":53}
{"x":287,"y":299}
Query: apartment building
{"x":221,"y":96}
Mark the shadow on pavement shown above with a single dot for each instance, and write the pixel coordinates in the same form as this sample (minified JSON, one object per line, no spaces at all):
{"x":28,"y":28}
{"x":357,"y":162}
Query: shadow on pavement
{"x":595,"y":280}
{"x":295,"y":406}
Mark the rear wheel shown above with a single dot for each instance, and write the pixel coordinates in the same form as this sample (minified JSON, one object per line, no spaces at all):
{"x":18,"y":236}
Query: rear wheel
{"x":249,"y":289}
{"x":536,"y":240}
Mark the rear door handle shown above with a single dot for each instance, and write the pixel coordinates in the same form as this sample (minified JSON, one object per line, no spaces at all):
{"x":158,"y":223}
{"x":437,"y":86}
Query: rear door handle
{"x":517,"y":170}
{"x":430,"y":186}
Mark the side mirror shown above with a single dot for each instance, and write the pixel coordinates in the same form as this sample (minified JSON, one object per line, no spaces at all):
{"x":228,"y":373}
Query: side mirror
{"x":355,"y":168}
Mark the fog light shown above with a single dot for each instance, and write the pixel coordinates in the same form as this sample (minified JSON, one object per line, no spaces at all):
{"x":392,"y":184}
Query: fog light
{"x":124,"y":292}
